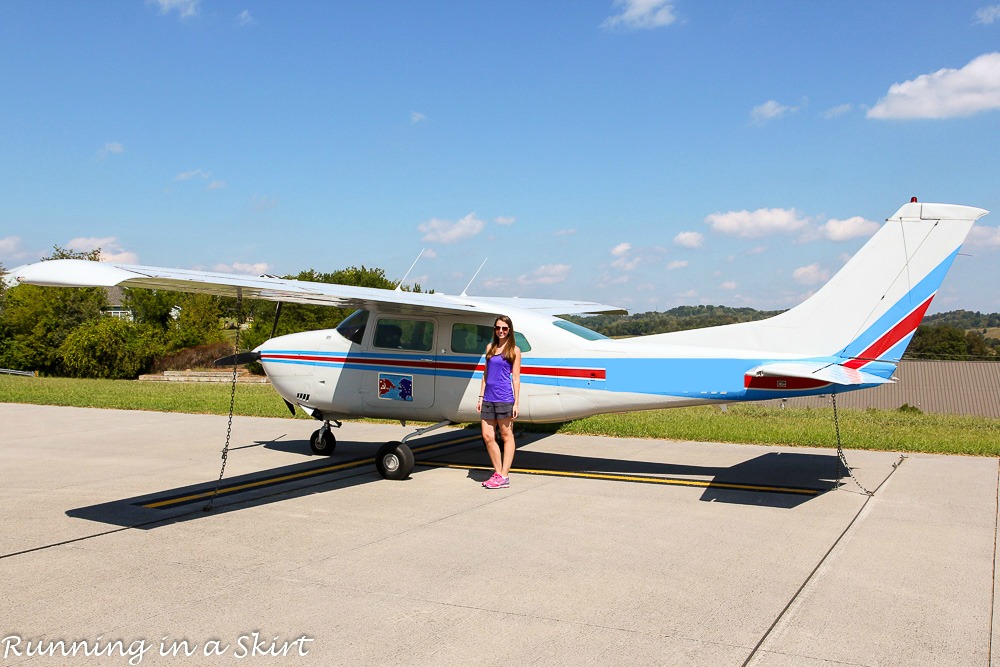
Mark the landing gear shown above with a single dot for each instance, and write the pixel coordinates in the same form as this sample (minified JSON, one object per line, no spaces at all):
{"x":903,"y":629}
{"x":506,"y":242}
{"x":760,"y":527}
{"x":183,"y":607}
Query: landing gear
{"x":323,"y":441}
{"x":394,"y":460}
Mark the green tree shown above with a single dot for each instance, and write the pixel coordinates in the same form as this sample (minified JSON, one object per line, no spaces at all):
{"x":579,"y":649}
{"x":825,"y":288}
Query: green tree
{"x":37,"y":320}
{"x":110,"y":347}
{"x":197,"y":321}
{"x":152,"y":306}
{"x":937,"y":341}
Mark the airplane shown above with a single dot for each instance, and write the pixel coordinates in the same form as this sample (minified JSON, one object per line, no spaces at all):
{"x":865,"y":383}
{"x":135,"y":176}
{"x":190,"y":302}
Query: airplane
{"x":420,"y":356}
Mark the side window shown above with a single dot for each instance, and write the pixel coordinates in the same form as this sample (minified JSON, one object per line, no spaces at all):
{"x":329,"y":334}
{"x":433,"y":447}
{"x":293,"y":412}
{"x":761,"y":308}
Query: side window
{"x":470,"y":338}
{"x":353,"y":328}
{"x":416,"y":335}
{"x":473,"y":339}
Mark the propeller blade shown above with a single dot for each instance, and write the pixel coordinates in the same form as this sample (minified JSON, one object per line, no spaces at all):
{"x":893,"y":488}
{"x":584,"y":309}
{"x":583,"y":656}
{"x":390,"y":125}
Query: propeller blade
{"x":238,"y":359}
{"x":291,"y":406}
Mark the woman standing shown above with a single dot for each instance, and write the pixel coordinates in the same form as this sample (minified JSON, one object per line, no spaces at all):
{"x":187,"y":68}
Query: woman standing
{"x":498,"y":398}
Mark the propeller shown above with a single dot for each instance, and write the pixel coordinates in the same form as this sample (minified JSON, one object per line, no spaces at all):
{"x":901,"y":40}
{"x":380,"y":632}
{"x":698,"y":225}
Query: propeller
{"x":238,"y":359}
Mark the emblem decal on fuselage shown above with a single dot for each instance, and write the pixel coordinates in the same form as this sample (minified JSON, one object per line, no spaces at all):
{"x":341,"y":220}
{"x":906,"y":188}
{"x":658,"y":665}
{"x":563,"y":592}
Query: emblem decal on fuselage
{"x":395,"y":387}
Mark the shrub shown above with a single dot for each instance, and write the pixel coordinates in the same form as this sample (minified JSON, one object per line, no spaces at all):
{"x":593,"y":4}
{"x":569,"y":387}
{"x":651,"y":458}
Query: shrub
{"x":111,"y":348}
{"x":199,"y":356}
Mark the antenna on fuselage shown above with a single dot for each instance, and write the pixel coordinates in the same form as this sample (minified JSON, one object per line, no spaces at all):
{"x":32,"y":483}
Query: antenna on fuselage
{"x":399,"y":285}
{"x":474,"y":277}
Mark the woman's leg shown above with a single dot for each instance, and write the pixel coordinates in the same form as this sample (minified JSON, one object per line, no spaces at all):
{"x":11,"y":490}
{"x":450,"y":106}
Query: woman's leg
{"x":507,"y":435}
{"x":492,"y":448}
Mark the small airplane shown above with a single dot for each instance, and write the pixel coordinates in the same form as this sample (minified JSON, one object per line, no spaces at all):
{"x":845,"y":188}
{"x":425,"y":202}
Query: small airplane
{"x":420,"y":357}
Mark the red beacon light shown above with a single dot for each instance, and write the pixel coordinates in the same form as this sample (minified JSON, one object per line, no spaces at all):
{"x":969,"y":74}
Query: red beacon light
{"x":913,"y":200}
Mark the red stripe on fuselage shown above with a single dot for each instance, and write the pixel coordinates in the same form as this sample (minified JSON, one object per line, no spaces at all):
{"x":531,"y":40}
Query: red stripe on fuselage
{"x":890,"y":338}
{"x":541,"y":371}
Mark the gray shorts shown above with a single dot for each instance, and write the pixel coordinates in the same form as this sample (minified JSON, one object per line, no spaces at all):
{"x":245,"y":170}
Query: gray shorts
{"x":493,"y":410}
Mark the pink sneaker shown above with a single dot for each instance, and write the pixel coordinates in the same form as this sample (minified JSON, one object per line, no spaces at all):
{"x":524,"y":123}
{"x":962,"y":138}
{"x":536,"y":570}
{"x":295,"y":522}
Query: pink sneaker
{"x":493,"y":478}
{"x":497,"y":482}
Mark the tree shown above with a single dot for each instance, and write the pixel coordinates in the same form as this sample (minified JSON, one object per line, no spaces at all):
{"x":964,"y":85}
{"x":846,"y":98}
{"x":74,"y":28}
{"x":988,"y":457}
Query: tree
{"x":197,"y":322}
{"x":152,"y":306}
{"x":37,"y":320}
{"x":110,"y":347}
{"x":938,"y":341}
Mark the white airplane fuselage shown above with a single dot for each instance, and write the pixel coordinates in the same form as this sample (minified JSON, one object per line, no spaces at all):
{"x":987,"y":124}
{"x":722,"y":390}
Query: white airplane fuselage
{"x":563,"y":374}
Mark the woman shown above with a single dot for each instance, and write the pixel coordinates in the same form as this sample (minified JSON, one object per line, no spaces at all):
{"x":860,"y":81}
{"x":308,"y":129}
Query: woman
{"x":498,"y":399}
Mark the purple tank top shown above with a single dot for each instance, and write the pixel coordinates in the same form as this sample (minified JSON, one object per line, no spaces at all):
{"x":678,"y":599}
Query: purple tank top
{"x":499,"y":386}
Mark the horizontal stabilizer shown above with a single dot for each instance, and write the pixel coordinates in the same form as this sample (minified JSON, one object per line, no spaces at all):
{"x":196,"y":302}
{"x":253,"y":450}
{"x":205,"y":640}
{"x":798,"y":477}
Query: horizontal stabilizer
{"x":821,"y":370}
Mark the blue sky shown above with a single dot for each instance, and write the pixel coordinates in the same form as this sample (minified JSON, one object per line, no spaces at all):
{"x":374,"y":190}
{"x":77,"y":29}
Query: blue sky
{"x":645,"y":153}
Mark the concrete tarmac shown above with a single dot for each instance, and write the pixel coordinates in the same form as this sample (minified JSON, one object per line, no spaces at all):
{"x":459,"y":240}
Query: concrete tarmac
{"x":602,"y":551}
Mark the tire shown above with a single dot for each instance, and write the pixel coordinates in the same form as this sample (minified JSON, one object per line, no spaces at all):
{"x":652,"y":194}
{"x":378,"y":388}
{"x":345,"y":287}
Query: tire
{"x":394,"y":460}
{"x":323,"y":443}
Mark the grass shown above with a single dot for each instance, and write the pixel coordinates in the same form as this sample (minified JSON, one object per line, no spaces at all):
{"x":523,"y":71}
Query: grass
{"x":898,"y":430}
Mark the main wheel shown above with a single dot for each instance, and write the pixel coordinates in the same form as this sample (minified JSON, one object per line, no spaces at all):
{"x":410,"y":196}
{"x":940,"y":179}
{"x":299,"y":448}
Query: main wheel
{"x":323,"y":442}
{"x":394,"y":460}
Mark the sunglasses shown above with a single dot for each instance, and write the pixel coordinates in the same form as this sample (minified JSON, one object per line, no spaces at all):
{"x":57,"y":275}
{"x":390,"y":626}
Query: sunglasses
{"x":499,"y":328}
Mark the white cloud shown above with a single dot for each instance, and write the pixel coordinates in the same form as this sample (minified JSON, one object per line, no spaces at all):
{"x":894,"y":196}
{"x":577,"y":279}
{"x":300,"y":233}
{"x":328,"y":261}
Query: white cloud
{"x":110,"y":148}
{"x":429,"y":253}
{"x":12,"y":251}
{"x":677,"y":264}
{"x":216,"y":185}
{"x":10,"y":244}
{"x":988,"y":14}
{"x":245,"y":18}
{"x":689,"y":239}
{"x":621,"y":249}
{"x":641,"y":15}
{"x":417,"y":117}
{"x":625,"y":260}
{"x":496,"y":283}
{"x":810,"y":275}
{"x":255,"y":269}
{"x":547,"y":274}
{"x":184,"y":8}
{"x":111,"y":249}
{"x":729,"y":284}
{"x":761,"y":222}
{"x":852,"y":228}
{"x":839,"y":110}
{"x":770,"y":110}
{"x":504,"y":220}
{"x":193,"y":174}
{"x":564,"y":232}
{"x":442,"y":231}
{"x":946,"y":93}
{"x":988,"y":237}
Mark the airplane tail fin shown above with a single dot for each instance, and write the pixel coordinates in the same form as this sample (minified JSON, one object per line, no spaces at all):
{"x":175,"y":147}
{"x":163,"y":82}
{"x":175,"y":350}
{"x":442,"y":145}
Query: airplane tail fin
{"x":868,"y":312}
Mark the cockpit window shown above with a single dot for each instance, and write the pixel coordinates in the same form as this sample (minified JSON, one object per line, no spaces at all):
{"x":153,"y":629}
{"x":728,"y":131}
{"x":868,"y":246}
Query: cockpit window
{"x":582,"y":332}
{"x":353,"y":328}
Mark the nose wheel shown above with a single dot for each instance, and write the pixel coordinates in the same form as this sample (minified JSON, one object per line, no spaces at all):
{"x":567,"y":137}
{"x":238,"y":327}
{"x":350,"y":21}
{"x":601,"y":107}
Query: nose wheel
{"x":394,"y":460}
{"x":323,"y":442}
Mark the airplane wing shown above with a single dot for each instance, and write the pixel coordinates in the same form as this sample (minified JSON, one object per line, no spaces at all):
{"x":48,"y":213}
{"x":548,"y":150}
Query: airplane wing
{"x":820,"y":370}
{"x":84,"y":273}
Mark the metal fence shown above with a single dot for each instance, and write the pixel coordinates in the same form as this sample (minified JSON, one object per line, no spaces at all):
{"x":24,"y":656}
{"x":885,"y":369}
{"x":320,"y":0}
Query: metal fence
{"x":8,"y":371}
{"x":941,"y":387}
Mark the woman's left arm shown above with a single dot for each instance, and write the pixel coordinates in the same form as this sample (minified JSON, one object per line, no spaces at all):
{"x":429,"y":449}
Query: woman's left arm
{"x":515,"y":376}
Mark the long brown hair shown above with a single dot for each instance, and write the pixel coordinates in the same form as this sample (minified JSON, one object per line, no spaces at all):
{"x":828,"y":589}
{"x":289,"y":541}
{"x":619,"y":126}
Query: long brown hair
{"x":508,"y":349}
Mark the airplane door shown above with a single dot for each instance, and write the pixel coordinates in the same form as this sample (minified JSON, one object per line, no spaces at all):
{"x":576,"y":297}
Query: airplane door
{"x":400,"y":365}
